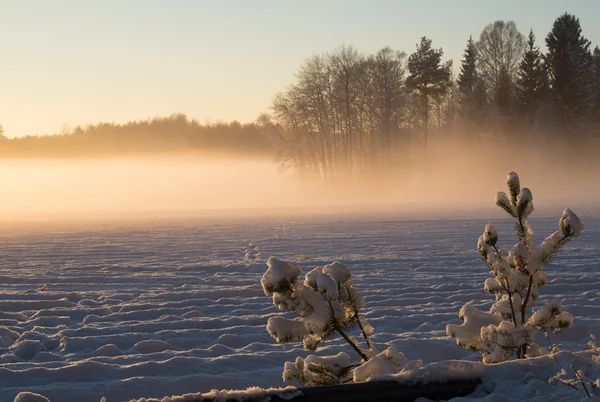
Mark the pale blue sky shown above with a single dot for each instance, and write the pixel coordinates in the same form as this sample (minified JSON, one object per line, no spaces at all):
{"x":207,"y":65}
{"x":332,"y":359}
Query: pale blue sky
{"x":82,"y":61}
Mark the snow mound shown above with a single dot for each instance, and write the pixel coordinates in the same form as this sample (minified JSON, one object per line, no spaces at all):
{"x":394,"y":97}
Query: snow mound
{"x":151,"y":346}
{"x":193,"y":314}
{"x":390,"y":361}
{"x":108,"y":350}
{"x":30,"y":397}
{"x":27,"y":349}
{"x":439,"y":372}
{"x":8,"y":336}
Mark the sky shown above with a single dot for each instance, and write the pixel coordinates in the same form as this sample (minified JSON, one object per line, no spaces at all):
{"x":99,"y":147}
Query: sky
{"x":70,"y":62}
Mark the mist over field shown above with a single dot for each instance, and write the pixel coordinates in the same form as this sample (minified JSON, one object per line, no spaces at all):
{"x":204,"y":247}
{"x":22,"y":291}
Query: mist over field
{"x":442,"y":182}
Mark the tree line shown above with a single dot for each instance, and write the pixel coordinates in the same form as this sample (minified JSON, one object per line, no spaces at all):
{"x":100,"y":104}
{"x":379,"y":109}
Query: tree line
{"x":175,"y":133}
{"x":349,"y":115}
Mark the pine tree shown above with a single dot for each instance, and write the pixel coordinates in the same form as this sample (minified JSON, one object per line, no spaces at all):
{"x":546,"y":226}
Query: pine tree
{"x":596,"y":77}
{"x":531,"y":81}
{"x":428,"y":75}
{"x":468,"y":69}
{"x":569,"y":65}
{"x":510,"y":325}
{"x":325,"y":304}
{"x":473,"y":100}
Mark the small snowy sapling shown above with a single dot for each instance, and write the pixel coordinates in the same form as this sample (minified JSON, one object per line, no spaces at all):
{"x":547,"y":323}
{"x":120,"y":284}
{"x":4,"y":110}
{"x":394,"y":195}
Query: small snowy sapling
{"x":325,"y":304}
{"x":517,"y":274}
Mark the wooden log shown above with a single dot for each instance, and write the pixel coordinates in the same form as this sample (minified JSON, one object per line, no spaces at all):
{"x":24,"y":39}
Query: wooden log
{"x":377,"y":391}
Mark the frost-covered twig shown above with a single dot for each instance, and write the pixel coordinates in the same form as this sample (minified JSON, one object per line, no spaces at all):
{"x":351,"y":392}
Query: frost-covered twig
{"x":580,"y":377}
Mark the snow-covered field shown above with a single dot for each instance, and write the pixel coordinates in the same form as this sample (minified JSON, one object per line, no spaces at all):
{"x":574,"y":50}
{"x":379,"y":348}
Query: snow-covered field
{"x":148,"y":310}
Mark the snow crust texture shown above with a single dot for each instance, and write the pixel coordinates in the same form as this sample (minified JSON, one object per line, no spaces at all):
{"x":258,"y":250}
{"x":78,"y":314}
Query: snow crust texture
{"x":135,"y":312}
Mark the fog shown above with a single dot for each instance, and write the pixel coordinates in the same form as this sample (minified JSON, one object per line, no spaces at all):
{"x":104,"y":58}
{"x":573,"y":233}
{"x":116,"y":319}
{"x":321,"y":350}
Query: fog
{"x":138,"y":186}
{"x":450,"y":179}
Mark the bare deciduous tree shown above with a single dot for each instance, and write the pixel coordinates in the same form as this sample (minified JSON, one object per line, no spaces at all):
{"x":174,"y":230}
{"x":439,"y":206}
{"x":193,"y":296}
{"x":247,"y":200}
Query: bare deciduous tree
{"x":342,"y":114}
{"x":499,"y":52}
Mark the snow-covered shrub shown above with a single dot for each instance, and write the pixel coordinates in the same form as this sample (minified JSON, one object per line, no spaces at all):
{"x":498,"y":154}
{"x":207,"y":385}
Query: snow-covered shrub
{"x":326,"y":303}
{"x":516,"y":276}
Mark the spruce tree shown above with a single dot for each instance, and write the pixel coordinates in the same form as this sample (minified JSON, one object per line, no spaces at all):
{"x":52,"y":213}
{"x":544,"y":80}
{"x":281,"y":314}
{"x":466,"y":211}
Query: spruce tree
{"x":473,"y":100}
{"x":596,"y":77}
{"x":569,"y":65}
{"x":468,"y":69}
{"x":517,"y":274}
{"x":531,"y":79}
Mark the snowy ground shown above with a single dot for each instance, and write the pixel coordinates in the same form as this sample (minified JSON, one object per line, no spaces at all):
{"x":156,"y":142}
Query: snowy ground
{"x":136,"y":311}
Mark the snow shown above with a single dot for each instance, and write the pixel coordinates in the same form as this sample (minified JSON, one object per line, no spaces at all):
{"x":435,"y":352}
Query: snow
{"x":338,"y":271}
{"x":310,"y":279}
{"x":512,"y":181}
{"x":525,"y":195}
{"x":336,"y":363}
{"x":551,"y":316}
{"x":278,"y":272}
{"x":328,"y":287}
{"x":306,"y":370}
{"x":286,"y":330}
{"x":30,"y":397}
{"x":490,"y":236}
{"x":503,"y":201}
{"x":390,"y":361}
{"x":467,"y":334}
{"x":570,"y":224}
{"x":189,"y":286}
{"x":551,"y":243}
{"x":525,"y":203}
{"x":251,"y":393}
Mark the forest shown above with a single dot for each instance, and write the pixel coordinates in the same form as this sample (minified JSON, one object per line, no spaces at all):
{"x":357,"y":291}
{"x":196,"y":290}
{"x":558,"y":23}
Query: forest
{"x":350,"y":115}
{"x":175,"y":133}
